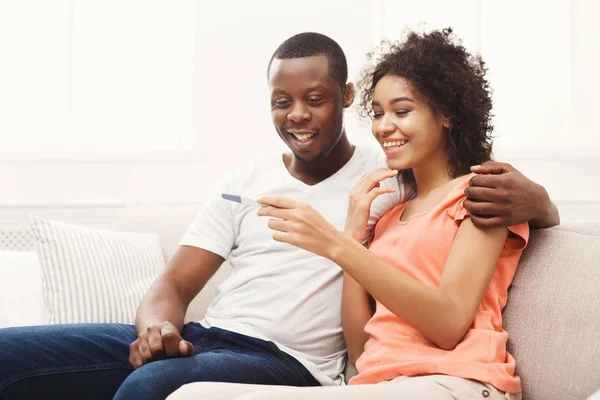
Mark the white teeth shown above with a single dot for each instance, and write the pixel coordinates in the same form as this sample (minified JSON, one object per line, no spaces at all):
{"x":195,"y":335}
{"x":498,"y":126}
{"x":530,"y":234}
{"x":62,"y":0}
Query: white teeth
{"x":396,"y":143}
{"x":303,"y":137}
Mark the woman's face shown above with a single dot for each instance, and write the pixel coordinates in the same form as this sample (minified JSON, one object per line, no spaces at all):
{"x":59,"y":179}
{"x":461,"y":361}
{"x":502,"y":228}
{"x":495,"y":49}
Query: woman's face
{"x":405,"y":126}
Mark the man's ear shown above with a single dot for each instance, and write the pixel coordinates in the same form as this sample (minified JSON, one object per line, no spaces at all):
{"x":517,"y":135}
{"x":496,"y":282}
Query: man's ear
{"x":349,"y":94}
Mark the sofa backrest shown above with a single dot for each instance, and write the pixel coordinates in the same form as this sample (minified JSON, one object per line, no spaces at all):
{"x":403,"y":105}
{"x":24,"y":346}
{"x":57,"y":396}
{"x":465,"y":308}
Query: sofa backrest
{"x":553,"y":313}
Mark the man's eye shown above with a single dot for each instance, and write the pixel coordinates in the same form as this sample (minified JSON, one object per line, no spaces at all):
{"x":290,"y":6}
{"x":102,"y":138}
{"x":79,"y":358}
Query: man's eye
{"x":314,"y":100}
{"x":282,"y":102}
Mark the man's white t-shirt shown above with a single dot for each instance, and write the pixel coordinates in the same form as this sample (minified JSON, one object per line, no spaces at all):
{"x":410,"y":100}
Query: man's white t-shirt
{"x":276,"y":291}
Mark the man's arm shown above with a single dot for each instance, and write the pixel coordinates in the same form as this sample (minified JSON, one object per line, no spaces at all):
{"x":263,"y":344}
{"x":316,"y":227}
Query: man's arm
{"x":550,"y":219}
{"x":501,"y":196}
{"x":160,"y":316}
{"x":186,"y":274}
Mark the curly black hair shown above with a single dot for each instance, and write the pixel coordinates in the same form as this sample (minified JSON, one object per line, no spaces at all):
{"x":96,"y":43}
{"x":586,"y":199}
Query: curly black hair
{"x":450,"y":80}
{"x":307,"y":44}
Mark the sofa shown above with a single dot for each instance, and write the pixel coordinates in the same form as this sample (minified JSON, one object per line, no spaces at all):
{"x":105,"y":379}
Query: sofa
{"x":552,"y":316}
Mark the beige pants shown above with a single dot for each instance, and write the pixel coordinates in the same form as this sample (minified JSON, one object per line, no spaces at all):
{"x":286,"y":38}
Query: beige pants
{"x":218,"y":391}
{"x":432,"y":387}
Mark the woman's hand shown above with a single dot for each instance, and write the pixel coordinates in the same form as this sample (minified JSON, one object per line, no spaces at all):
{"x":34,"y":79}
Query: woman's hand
{"x":299,"y":224}
{"x":361,"y":198}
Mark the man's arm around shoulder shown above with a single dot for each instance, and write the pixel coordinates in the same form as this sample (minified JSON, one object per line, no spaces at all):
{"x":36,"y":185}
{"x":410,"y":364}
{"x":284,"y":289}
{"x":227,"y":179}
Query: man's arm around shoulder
{"x":500,"y":196}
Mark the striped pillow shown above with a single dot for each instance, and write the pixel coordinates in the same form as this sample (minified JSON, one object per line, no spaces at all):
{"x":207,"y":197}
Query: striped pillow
{"x":94,"y":275}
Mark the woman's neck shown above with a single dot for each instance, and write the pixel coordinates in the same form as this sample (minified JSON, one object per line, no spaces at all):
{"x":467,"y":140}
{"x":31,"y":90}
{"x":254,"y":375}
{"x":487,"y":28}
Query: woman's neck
{"x":432,"y":175}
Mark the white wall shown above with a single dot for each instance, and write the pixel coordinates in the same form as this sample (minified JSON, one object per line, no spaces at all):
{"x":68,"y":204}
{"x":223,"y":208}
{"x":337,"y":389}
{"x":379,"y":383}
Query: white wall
{"x":235,"y":41}
{"x":543,"y":59}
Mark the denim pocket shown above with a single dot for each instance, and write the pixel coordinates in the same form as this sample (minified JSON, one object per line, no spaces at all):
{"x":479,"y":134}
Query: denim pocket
{"x":211,"y":339}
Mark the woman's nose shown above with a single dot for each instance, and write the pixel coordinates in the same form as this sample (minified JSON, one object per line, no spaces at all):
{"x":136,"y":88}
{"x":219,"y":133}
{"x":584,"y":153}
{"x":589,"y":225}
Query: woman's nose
{"x":385,"y":127}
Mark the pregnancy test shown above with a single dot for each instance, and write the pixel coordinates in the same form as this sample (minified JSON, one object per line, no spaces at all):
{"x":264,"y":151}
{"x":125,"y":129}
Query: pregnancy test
{"x":242,"y":199}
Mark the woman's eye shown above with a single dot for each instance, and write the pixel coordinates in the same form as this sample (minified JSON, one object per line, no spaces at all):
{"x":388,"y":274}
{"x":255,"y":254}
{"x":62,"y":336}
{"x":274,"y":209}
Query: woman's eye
{"x":314,"y":100}
{"x":376,"y":114}
{"x":402,"y":112}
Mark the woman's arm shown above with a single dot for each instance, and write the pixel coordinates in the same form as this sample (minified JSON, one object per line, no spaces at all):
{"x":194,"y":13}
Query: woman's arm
{"x":356,"y":312}
{"x":356,"y":302}
{"x":442,"y":314}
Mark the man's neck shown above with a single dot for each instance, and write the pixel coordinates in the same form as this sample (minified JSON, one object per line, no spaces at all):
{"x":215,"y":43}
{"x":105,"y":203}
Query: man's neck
{"x":316,"y":171}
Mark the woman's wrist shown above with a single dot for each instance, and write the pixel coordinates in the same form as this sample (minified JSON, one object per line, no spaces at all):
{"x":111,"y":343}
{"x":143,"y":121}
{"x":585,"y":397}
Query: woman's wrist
{"x":355,"y":234}
{"x":342,"y":244}
{"x":337,"y":245}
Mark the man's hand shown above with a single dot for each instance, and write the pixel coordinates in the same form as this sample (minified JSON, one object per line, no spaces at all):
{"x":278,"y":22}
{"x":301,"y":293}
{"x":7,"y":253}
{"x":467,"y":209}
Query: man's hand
{"x":157,"y":343}
{"x":501,"y":196}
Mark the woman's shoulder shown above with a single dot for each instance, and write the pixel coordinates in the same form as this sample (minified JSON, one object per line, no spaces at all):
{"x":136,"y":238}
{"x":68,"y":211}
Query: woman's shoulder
{"x":456,"y":192}
{"x":460,"y":184}
{"x":454,"y":201}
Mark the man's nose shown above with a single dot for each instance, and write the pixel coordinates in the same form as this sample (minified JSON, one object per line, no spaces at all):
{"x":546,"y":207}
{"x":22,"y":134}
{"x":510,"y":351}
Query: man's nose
{"x":298,"y":113}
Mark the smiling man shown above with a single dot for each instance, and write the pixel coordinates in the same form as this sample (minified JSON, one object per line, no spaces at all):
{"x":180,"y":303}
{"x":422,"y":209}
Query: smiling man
{"x":276,"y":318}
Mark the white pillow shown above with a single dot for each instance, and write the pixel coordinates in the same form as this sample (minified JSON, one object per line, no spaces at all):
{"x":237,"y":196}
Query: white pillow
{"x":94,"y":275}
{"x":21,"y":301}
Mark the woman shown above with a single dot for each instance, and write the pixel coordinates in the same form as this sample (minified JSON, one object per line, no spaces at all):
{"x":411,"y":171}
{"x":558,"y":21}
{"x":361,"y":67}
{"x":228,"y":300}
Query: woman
{"x":439,"y":282}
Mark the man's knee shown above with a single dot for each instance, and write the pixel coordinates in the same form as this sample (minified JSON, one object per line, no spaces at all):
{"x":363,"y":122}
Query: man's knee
{"x":155,"y":380}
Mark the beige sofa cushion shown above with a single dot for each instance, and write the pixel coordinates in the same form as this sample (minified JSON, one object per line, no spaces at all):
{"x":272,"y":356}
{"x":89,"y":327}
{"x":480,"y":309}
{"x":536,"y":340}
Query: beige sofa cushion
{"x":553,"y":313}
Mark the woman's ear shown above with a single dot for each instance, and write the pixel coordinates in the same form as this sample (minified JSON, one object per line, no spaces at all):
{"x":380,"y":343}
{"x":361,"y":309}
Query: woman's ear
{"x":349,"y":94}
{"x":446,"y":122}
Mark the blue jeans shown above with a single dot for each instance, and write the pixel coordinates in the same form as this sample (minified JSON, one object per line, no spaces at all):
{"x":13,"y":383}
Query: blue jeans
{"x":91,"y":361}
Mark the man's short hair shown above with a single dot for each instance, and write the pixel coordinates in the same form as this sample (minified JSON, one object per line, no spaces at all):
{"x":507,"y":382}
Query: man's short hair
{"x":309,"y":44}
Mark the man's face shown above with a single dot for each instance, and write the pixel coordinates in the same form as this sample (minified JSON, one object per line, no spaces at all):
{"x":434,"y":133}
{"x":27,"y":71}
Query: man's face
{"x":306,"y":105}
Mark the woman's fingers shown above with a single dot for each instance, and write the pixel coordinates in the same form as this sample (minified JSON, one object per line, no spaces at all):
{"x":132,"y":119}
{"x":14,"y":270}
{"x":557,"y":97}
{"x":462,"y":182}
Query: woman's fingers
{"x":370,"y":181}
{"x":373,"y":179}
{"x":277,"y":225}
{"x":378,"y":191}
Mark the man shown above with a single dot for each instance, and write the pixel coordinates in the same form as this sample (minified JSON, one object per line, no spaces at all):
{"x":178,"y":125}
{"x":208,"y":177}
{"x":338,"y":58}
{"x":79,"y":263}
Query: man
{"x":276,"y":318}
